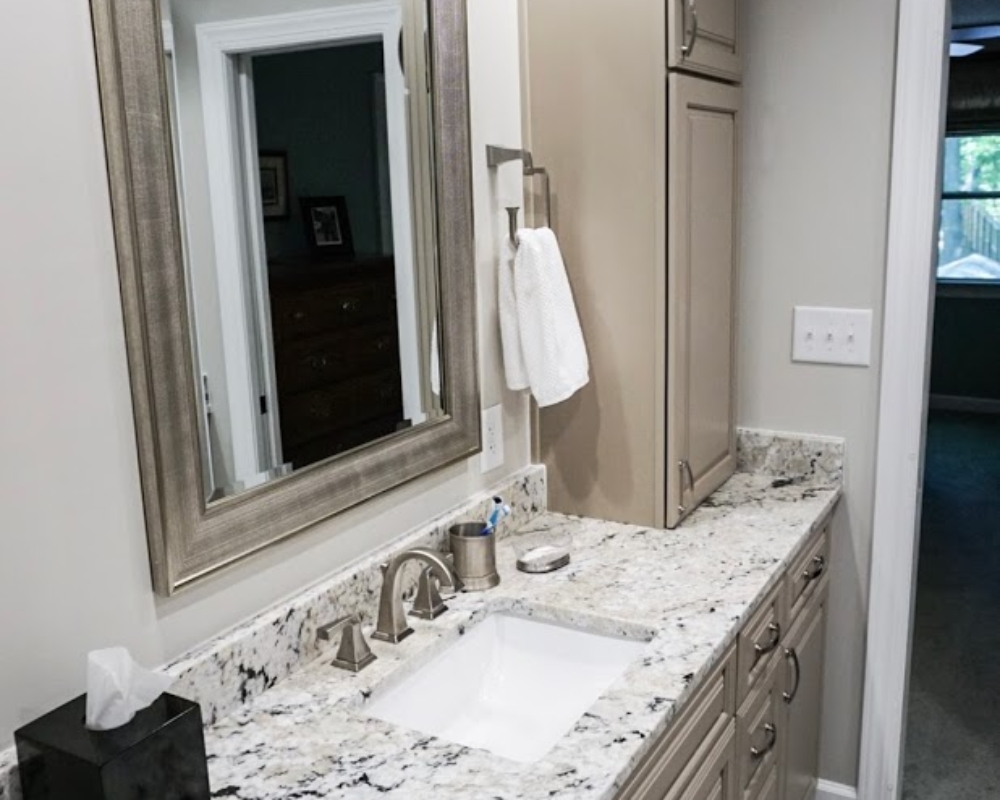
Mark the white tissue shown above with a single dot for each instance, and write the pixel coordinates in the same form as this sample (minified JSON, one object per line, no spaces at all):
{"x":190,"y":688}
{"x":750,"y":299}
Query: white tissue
{"x":117,"y":688}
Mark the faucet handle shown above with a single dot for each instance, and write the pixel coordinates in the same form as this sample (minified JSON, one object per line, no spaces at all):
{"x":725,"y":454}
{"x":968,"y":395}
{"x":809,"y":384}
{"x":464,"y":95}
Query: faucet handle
{"x":354,"y":654}
{"x":428,"y":603}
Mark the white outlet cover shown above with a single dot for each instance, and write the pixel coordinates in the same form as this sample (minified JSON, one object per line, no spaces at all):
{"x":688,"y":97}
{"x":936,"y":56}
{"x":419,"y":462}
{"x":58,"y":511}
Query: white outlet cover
{"x":832,"y":336}
{"x":492,"y":433}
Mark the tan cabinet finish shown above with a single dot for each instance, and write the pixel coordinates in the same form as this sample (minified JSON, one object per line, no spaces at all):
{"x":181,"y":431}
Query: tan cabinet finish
{"x":764,"y":746}
{"x":702,"y":261}
{"x":703,"y":37}
{"x":803,"y":703}
{"x":619,"y":133}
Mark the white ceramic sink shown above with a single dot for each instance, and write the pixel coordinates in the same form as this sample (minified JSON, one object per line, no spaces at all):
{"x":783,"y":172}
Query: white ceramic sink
{"x":512,"y":686}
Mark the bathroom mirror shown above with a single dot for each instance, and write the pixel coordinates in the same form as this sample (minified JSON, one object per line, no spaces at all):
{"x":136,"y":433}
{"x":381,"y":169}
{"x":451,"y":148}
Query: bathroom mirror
{"x":291,"y":191}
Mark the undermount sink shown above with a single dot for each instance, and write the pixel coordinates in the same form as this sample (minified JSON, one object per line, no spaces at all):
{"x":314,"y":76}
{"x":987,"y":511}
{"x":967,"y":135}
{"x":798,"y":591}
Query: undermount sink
{"x":511,"y":685}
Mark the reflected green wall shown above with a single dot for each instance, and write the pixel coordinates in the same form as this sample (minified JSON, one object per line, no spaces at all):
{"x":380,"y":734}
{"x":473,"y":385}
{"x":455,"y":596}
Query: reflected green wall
{"x":319,"y":107}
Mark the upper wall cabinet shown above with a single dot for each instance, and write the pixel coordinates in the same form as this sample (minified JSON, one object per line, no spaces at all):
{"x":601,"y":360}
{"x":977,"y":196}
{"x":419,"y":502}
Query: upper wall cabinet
{"x":703,"y":37}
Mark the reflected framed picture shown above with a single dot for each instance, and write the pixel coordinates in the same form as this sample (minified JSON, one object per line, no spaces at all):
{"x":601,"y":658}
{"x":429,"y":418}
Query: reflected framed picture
{"x":328,"y":226}
{"x":274,"y":184}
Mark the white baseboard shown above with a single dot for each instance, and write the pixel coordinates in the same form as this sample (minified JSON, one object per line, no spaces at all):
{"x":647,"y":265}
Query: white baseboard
{"x":828,"y":790}
{"x":978,"y":405}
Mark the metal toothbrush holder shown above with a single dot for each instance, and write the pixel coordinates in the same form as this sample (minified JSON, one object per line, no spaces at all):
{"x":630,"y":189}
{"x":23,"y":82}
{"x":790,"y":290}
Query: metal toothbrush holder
{"x":475,"y":556}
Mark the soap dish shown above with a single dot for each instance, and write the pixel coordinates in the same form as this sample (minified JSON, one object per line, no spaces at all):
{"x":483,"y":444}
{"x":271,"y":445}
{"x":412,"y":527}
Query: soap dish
{"x":542,"y":559}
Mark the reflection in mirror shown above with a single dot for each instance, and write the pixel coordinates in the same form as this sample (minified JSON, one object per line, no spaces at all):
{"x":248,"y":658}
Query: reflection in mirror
{"x":304,"y":165}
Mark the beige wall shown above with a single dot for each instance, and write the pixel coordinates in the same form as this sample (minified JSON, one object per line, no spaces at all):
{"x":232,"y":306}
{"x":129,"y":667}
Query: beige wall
{"x":818,"y":105}
{"x":73,"y":568}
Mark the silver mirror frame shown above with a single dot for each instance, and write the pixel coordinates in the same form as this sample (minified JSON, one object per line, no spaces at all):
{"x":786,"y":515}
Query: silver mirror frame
{"x":188,"y":538}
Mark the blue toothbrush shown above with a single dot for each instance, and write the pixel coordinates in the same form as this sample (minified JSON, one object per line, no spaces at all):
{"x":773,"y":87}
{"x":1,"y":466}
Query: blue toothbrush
{"x":500,"y":510}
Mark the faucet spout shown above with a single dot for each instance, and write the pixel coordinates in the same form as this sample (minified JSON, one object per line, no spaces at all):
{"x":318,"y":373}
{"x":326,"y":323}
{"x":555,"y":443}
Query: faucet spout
{"x":392,"y":625}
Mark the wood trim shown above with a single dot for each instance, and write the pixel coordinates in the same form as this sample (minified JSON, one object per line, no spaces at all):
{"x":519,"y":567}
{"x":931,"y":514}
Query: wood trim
{"x":189,"y":539}
{"x":921,"y":75}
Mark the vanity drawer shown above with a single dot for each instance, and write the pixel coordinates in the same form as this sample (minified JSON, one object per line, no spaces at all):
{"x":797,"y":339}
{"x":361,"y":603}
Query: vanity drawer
{"x":760,"y":641}
{"x":676,"y":758}
{"x":759,"y":737}
{"x":322,"y":360}
{"x":805,"y":574}
{"x":770,"y":789}
{"x":326,"y":308}
{"x":323,"y":411}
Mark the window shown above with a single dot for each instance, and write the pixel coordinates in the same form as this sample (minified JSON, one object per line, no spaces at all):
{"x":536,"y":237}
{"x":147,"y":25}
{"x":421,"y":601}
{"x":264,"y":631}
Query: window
{"x":969,"y":242}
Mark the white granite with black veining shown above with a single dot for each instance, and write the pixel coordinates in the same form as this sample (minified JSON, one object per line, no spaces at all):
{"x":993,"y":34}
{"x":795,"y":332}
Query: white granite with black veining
{"x":234,"y":668}
{"x":687,"y":590}
{"x":791,"y":456}
{"x":297,"y":727}
{"x":10,"y":787}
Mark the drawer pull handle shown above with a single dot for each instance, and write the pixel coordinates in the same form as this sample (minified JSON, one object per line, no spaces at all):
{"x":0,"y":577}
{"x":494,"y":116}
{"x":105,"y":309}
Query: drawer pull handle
{"x":687,"y":48}
{"x":686,"y":475}
{"x":772,"y":644}
{"x":818,"y":568}
{"x":771,"y":732}
{"x":793,"y":658}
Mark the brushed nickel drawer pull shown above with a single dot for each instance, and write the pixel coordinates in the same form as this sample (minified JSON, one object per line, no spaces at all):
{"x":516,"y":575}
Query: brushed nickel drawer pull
{"x":819,"y":567}
{"x":793,"y":658}
{"x":763,"y":649}
{"x":772,"y":739}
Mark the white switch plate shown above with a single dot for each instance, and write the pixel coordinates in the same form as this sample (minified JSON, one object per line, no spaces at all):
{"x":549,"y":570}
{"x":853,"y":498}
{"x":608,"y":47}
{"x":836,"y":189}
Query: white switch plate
{"x":492,"y":456}
{"x":832,"y":336}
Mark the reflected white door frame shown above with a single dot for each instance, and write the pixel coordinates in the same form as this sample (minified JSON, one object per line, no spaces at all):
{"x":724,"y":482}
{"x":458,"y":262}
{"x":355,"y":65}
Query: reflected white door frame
{"x":220,"y":44}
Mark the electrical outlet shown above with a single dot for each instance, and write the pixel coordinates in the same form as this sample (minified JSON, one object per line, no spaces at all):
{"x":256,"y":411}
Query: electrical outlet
{"x":492,"y":456}
{"x":832,"y":336}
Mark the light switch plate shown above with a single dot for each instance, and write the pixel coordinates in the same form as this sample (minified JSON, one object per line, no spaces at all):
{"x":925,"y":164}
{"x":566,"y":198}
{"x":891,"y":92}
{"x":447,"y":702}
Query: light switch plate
{"x":492,"y":456}
{"x":832,"y":336}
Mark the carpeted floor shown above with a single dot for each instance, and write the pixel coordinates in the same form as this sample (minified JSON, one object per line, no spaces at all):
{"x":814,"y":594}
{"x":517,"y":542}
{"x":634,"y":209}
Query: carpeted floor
{"x":953,"y":734}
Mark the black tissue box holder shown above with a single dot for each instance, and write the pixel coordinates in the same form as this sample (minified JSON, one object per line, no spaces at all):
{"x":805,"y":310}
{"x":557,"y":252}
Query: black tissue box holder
{"x":159,"y":755}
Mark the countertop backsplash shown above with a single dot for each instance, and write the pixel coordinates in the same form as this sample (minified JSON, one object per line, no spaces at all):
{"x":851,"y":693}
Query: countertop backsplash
{"x":233,"y":669}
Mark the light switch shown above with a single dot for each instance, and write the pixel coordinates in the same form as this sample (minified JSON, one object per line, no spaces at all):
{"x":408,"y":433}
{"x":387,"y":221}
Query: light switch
{"x":832,"y":336}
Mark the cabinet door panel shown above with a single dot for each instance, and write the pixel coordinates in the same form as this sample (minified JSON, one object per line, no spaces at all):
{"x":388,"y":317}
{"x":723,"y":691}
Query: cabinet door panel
{"x":703,"y":197}
{"x":803,"y":699}
{"x":716,"y":780}
{"x":703,"y":37}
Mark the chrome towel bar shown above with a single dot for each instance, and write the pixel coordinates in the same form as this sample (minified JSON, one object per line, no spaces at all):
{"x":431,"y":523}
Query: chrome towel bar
{"x":495,"y":156}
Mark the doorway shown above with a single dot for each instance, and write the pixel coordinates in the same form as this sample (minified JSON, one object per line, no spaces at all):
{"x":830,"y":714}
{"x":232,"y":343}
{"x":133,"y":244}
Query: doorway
{"x":930,"y":731}
{"x":953,"y":734}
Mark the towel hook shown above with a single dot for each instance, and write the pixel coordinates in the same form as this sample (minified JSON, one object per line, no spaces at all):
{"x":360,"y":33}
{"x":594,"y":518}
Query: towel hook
{"x":512,"y":212}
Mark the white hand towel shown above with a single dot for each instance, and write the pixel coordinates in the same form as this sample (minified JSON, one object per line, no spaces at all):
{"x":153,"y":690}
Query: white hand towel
{"x":543,"y":344}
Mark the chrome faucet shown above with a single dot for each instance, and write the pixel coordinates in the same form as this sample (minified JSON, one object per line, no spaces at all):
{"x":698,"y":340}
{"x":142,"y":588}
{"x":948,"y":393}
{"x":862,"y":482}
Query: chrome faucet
{"x":392,"y":625}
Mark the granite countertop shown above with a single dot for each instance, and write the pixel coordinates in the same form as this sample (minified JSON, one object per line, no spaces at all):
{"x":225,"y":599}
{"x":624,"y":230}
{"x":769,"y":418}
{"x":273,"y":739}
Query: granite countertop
{"x":687,"y":590}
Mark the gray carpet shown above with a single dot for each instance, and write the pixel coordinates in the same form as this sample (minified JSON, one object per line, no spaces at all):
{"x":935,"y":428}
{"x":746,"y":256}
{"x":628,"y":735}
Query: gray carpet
{"x":953,"y":734}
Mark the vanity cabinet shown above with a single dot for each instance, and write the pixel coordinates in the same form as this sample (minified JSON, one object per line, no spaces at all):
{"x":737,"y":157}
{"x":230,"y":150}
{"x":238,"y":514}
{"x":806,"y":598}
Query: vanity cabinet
{"x":803,"y":698}
{"x":643,"y":150}
{"x":751,"y":729}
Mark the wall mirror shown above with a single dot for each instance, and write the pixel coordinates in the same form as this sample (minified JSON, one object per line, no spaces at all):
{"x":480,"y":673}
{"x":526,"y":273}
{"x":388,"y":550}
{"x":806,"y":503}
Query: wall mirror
{"x":292,"y":204}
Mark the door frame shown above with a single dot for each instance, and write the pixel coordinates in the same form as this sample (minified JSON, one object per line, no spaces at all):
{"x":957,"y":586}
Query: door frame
{"x":239,"y":263}
{"x":914,"y":203}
